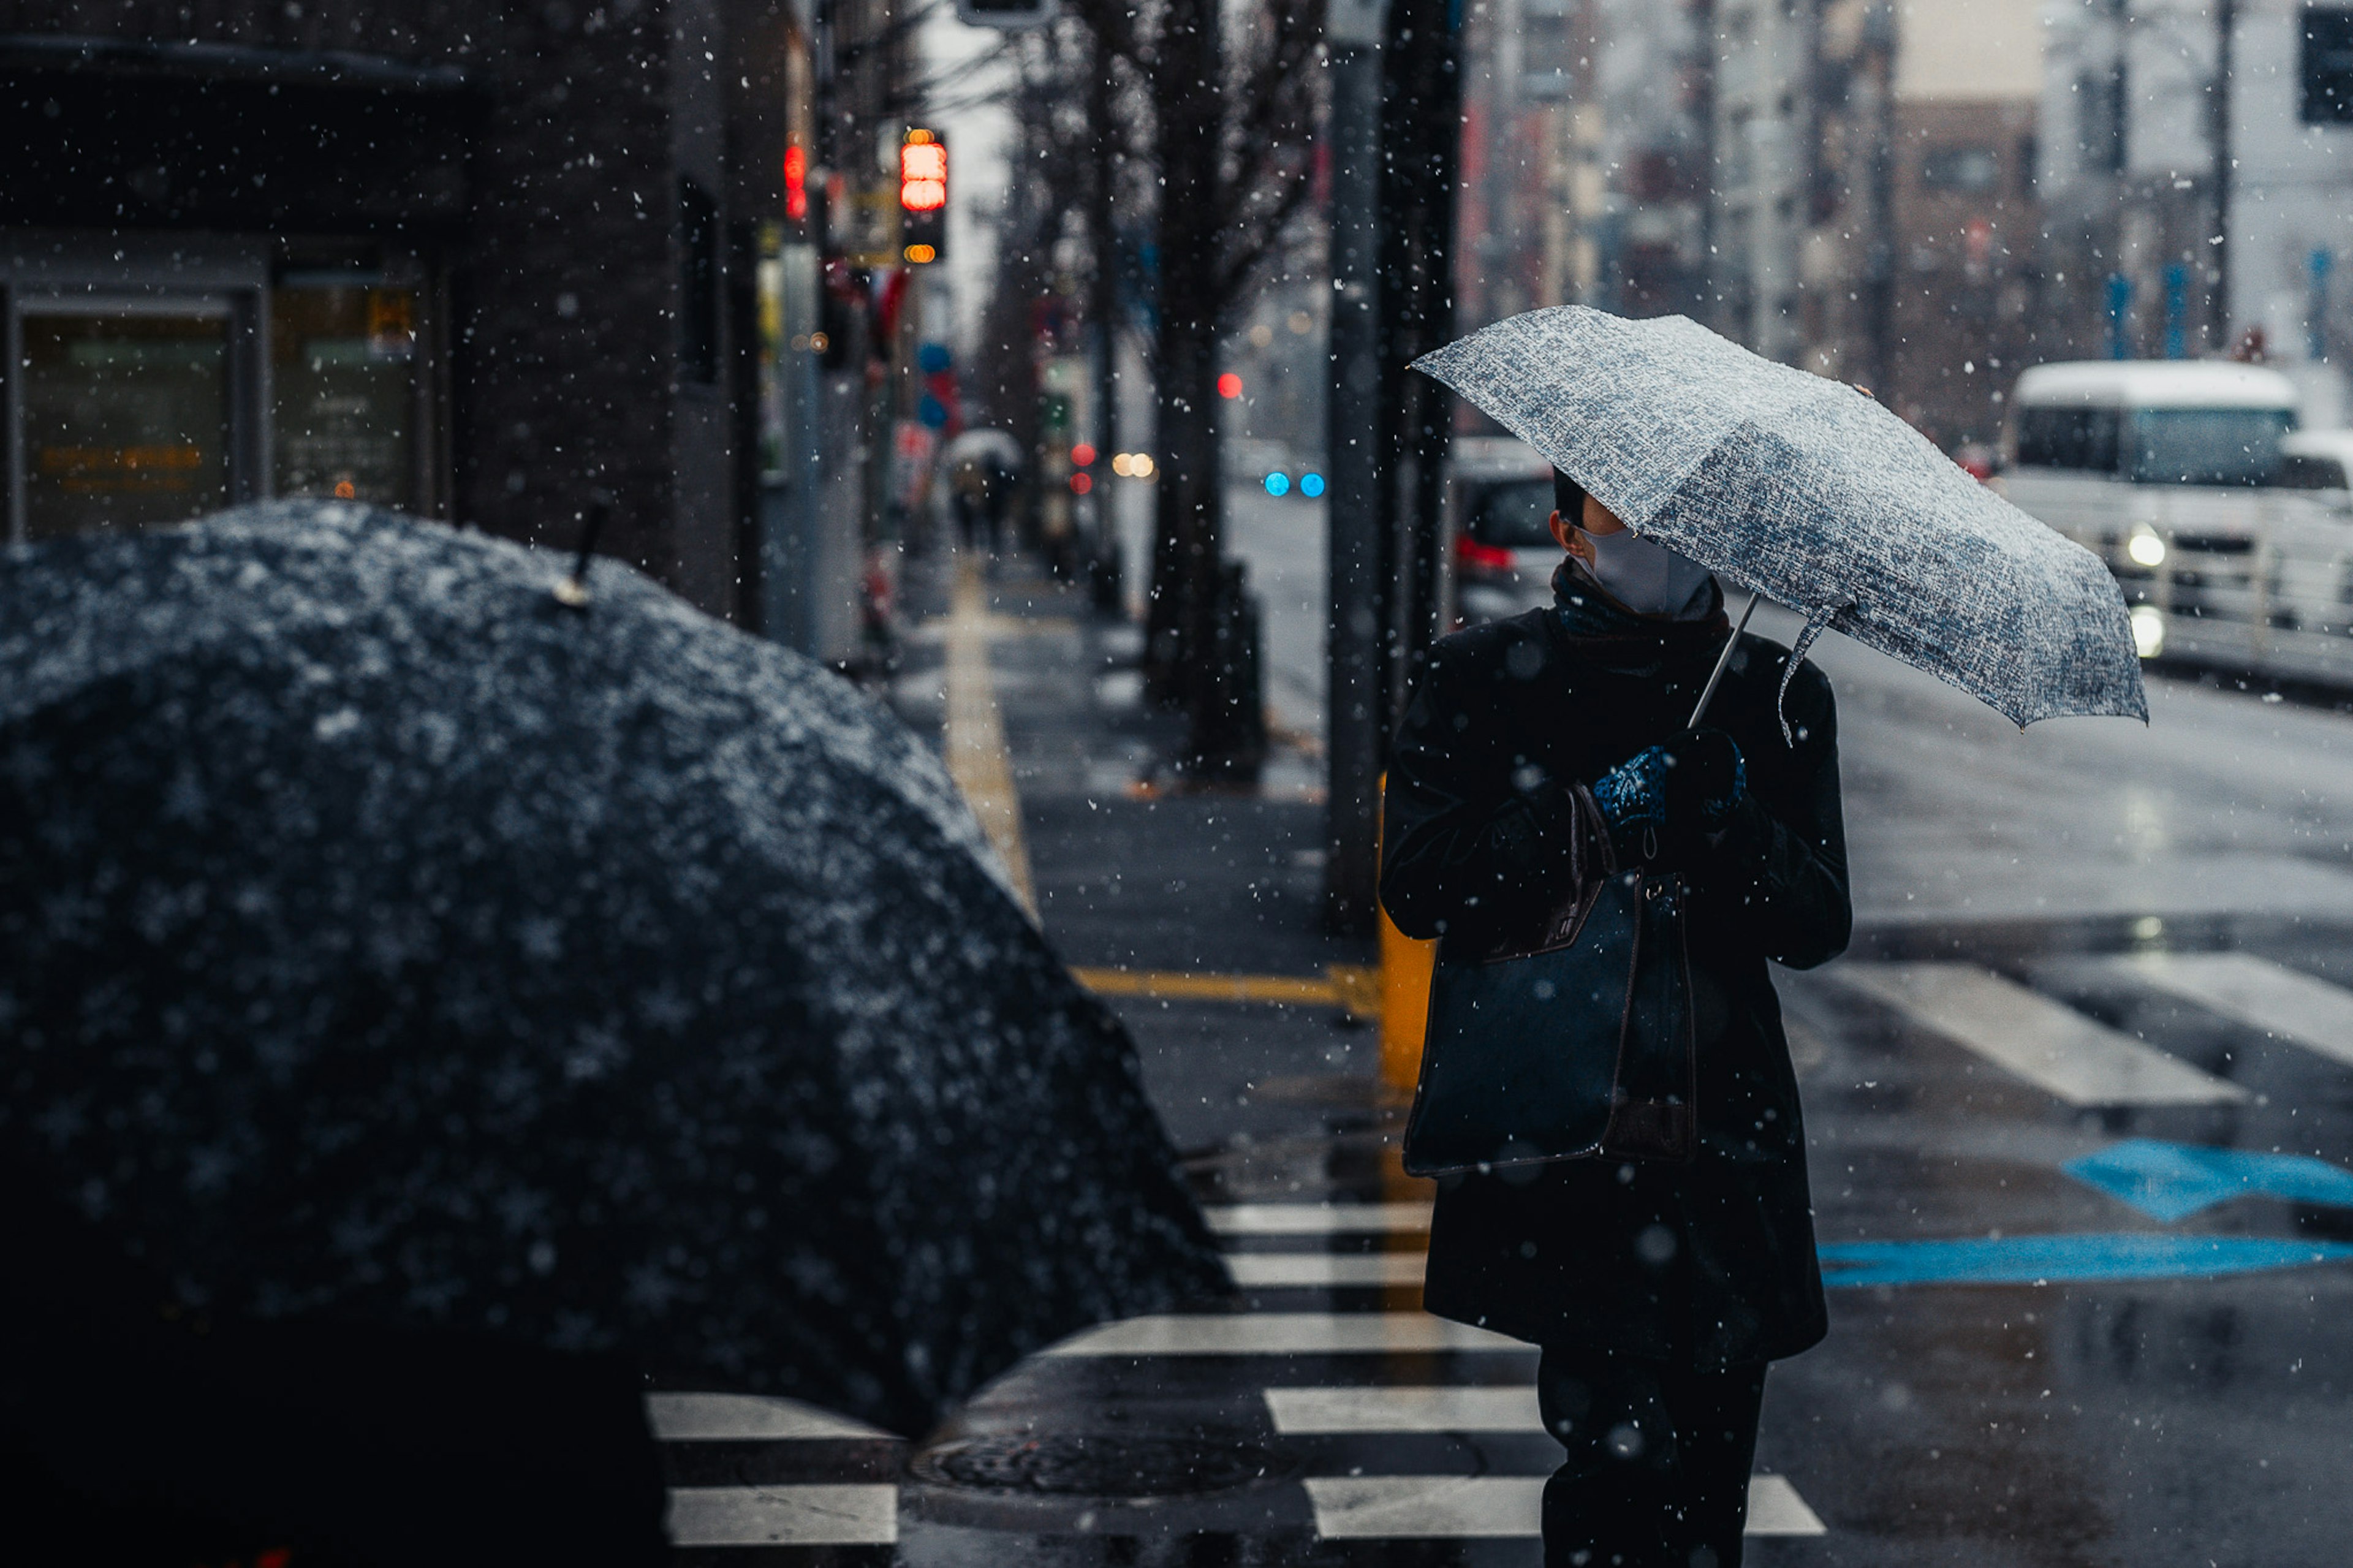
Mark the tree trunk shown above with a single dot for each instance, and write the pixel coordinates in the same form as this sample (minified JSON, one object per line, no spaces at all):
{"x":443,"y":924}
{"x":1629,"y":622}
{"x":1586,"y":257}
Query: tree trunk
{"x":1189,"y":104}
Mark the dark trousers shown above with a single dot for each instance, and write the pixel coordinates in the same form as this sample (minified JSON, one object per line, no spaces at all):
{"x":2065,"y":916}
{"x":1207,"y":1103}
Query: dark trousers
{"x":1657,"y":1473}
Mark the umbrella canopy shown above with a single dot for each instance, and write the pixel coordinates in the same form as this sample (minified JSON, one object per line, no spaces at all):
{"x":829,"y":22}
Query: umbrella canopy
{"x":1808,"y":491}
{"x":381,"y":939}
{"x":984,"y":445}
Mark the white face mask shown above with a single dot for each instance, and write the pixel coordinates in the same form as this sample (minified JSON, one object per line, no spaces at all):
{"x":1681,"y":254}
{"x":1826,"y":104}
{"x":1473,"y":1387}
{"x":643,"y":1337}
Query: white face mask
{"x":1647,"y":578}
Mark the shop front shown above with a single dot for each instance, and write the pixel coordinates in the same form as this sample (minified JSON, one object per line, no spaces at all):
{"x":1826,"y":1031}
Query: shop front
{"x":221,"y":282}
{"x":156,"y":380}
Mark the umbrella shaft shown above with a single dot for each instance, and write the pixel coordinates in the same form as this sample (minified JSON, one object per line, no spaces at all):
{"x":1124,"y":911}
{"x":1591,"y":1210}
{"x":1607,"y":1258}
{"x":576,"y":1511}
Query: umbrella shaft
{"x":1715,"y":676}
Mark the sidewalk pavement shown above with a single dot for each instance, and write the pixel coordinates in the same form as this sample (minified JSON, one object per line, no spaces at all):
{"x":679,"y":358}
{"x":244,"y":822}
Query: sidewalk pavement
{"x":1195,"y":914}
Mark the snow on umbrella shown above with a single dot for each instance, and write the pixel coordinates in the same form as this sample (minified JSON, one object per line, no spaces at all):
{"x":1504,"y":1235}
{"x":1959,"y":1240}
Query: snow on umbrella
{"x":984,"y":445}
{"x":1810,"y":493}
{"x":381,"y":938}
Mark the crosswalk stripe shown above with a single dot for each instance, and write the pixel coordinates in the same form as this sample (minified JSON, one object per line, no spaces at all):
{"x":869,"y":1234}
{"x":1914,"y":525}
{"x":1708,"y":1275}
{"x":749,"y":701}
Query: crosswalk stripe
{"x":1373,"y":1508}
{"x":2287,"y":1003}
{"x":1776,"y":1508}
{"x":746,"y":1417}
{"x":1269,"y":1270}
{"x":1316,"y":1411}
{"x":1283,"y":1333}
{"x":2053,"y":1047}
{"x":861,"y":1515}
{"x":1316,"y":1219}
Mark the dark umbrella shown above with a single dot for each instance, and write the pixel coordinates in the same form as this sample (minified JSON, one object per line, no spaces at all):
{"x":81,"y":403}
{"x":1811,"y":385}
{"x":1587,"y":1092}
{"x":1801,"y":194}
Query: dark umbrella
{"x":382,"y":940}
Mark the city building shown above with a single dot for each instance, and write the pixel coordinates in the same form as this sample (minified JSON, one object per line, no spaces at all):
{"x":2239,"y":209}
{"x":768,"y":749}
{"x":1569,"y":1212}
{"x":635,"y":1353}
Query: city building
{"x":1525,"y":68}
{"x":1875,"y":215}
{"x":2161,"y":255}
{"x":489,"y":267}
{"x":1763,"y":103}
{"x":1640,"y":151}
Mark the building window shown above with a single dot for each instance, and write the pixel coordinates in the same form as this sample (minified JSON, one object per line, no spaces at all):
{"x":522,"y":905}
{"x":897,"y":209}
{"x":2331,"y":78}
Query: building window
{"x":126,"y":412}
{"x":1973,"y":170}
{"x":697,"y":283}
{"x":2100,"y":120}
{"x":343,"y":392}
{"x":2327,"y":65}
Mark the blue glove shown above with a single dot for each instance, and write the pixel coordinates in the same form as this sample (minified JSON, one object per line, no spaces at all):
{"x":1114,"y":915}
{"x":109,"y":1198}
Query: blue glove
{"x":1688,"y":787}
{"x":1634,"y":798}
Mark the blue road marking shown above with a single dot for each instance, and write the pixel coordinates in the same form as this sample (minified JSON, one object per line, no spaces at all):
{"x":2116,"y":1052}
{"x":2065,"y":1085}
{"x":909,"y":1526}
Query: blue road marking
{"x":2037,"y":1259}
{"x":2171,"y":1181}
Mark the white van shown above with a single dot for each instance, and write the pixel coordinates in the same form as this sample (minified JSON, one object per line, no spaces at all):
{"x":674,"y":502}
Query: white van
{"x":2170,"y":471}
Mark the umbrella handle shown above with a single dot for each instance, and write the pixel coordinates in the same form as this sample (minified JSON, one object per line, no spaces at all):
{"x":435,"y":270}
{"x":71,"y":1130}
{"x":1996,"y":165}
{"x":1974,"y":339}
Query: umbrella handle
{"x":572,"y":592}
{"x":1716,"y":676}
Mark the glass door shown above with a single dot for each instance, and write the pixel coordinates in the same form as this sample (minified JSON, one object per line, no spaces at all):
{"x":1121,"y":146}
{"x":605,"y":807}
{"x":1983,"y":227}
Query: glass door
{"x":343,"y":392}
{"x":125,"y":412}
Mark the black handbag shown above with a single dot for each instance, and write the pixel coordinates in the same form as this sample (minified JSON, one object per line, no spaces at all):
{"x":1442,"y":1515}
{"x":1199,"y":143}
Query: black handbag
{"x":1569,"y":1041}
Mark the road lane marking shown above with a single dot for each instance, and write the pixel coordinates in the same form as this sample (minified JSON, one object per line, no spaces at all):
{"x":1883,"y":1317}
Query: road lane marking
{"x":1283,"y":1333}
{"x":1375,"y":1507}
{"x":1308,"y":1412}
{"x":2053,"y":1047}
{"x":748,"y":1418}
{"x":1279,"y":1270}
{"x":1171,"y":985}
{"x":1317,"y":1219}
{"x":977,"y":755}
{"x":2283,"y":1003}
{"x":2168,"y":1182}
{"x":859,"y":1515}
{"x":1354,"y":987}
{"x":2052,"y":1259}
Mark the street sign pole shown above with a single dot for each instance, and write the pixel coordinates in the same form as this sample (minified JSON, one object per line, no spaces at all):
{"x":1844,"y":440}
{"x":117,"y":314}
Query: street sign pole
{"x":1357,"y":696}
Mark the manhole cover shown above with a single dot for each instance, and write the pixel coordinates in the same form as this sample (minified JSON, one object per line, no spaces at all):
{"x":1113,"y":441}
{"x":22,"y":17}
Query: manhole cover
{"x":1078,"y":1465}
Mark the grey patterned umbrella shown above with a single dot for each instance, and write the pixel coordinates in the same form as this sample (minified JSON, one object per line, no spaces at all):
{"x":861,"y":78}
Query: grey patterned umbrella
{"x":383,"y":941}
{"x":1806,"y":491}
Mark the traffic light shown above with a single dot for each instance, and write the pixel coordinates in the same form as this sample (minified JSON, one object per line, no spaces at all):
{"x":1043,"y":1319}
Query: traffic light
{"x":795,"y":184}
{"x":922,"y":197}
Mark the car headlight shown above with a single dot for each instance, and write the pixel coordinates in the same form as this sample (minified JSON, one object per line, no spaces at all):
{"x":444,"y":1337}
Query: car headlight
{"x":2146,"y":548}
{"x":2148,"y":629}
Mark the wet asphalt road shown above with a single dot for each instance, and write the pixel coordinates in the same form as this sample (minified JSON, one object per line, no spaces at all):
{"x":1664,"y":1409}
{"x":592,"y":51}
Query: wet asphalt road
{"x":2080,"y":1101}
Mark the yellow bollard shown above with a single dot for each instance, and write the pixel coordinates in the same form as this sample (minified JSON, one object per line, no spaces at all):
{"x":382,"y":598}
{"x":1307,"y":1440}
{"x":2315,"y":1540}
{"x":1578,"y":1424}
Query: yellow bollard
{"x":1406,"y":965}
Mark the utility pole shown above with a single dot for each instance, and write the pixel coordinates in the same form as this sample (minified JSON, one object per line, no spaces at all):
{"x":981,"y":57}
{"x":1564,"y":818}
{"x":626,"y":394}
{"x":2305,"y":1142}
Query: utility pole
{"x":1421,"y":148}
{"x":1356,"y":702}
{"x":1103,"y":295}
{"x":2226,"y":28}
{"x":1397,"y":140}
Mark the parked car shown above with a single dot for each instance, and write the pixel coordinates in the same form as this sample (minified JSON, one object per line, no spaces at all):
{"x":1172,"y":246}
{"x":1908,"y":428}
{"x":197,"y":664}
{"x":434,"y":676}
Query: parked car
{"x":1501,"y":551}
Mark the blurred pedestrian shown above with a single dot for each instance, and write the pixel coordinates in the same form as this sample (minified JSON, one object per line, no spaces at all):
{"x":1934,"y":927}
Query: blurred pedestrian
{"x":967,"y":497}
{"x":1658,"y":1291}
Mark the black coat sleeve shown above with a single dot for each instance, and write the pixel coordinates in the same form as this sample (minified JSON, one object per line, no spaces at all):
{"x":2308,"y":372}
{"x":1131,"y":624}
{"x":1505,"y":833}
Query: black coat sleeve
{"x":1780,"y":873}
{"x":1469,"y":835}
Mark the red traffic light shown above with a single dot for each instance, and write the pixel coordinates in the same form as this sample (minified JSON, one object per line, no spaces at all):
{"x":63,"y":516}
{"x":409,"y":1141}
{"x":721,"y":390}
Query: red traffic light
{"x":1229,"y":386}
{"x":922,"y":172}
{"x":796,"y":184}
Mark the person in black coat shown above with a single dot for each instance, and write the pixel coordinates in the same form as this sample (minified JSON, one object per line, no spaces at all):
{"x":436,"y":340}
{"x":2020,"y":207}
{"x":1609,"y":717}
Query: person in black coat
{"x":1658,"y":1292}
